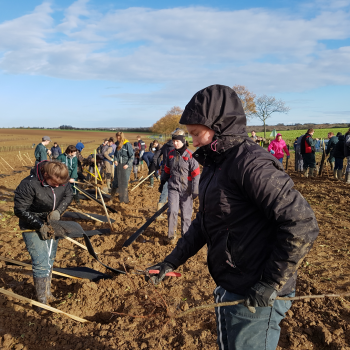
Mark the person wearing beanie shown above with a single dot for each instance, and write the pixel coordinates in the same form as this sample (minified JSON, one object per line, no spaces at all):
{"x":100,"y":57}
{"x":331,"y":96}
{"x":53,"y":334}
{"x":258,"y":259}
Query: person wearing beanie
{"x":256,"y":226}
{"x":181,"y":172}
{"x":276,"y":148}
{"x":41,"y":151}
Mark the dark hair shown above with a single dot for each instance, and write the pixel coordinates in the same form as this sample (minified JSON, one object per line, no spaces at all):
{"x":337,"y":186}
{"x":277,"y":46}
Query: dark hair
{"x":253,"y":131}
{"x":56,"y":171}
{"x":155,"y":141}
{"x":111,"y":139}
{"x":55,"y":143}
{"x":70,"y":149}
{"x":137,"y":154}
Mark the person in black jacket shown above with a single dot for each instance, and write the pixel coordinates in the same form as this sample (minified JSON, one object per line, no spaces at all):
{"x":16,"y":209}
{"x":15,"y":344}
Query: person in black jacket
{"x":307,"y":150}
{"x":42,"y":196}
{"x":256,"y":226}
{"x":159,"y":161}
{"x":339,"y":156}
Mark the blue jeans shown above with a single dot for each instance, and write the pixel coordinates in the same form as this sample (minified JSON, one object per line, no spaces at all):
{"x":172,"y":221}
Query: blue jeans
{"x":42,"y":252}
{"x":164,"y":195}
{"x":239,"y":329}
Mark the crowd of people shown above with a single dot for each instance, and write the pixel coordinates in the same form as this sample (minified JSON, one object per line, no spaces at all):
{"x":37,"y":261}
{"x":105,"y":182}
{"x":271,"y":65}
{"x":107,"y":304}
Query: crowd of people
{"x":254,"y":247}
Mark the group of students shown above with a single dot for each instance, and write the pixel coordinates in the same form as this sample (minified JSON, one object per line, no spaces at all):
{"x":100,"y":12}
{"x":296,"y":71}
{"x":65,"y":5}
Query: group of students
{"x":256,"y":233}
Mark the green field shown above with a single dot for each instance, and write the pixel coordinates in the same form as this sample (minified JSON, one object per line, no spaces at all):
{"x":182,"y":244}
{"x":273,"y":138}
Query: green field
{"x":290,"y":135}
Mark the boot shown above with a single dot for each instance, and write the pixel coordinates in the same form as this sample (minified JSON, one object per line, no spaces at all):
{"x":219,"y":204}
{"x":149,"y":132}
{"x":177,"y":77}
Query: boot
{"x":113,"y":192}
{"x":77,"y":200}
{"x":305,"y":172}
{"x":49,"y":295}
{"x":160,"y":217}
{"x":40,"y":284}
{"x":340,"y":174}
{"x":347,"y":178}
{"x":335,"y":174}
{"x":151,"y":180}
{"x":311,"y":172}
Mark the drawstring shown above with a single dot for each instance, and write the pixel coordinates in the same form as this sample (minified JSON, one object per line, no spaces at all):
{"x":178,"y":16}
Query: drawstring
{"x":213,"y":145}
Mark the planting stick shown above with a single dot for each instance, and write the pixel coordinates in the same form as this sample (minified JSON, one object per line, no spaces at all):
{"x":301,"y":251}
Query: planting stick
{"x":106,"y":211}
{"x":91,"y":174}
{"x":96,"y":200}
{"x":95,"y":174}
{"x":6,"y":163}
{"x":30,"y":266}
{"x":43,"y":306}
{"x":19,"y":152}
{"x":20,"y":160}
{"x":65,"y":237}
{"x":3,"y":166}
{"x":99,"y":175}
{"x":81,"y":212}
{"x":142,"y":181}
{"x":230,"y":303}
{"x":88,"y":183}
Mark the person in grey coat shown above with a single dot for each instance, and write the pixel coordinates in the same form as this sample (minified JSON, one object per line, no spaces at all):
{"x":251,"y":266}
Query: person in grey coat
{"x":182,"y":173}
{"x":123,"y":159}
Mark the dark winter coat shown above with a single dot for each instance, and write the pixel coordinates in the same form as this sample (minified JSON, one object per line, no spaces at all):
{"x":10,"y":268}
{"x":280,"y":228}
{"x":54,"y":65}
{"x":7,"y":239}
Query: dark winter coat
{"x":162,"y":154}
{"x":339,"y":147}
{"x":182,"y":172}
{"x":347,"y":145}
{"x":34,"y":199}
{"x":124,"y":156}
{"x":331,"y":146}
{"x":255,"y":224}
{"x":307,"y":140}
{"x":148,"y":158}
{"x":142,"y":145}
{"x":56,"y":151}
{"x":40,"y":152}
{"x":71,"y":164}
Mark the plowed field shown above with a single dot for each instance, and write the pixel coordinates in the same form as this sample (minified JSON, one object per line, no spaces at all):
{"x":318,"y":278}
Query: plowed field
{"x":110,"y":304}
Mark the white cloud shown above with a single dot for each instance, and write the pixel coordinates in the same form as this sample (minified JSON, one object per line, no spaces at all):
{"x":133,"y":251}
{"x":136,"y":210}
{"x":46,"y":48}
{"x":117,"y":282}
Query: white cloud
{"x":184,"y":49}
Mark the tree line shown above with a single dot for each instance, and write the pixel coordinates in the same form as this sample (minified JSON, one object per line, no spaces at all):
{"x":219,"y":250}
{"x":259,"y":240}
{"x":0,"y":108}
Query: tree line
{"x":261,"y":107}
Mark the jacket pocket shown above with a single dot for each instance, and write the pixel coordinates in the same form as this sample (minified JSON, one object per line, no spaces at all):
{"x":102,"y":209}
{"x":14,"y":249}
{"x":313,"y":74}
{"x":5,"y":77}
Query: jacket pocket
{"x":232,"y":253}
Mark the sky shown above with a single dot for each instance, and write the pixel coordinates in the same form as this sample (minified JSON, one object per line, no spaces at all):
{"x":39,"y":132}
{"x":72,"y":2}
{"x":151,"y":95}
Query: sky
{"x":103,"y":63}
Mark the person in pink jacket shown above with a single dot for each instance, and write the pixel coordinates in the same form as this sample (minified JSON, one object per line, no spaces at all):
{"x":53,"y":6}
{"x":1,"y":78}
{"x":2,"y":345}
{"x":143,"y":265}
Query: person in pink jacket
{"x":277,"y":146}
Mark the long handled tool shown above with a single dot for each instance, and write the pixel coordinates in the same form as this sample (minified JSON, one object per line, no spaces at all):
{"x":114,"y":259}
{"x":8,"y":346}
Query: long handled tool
{"x":43,"y":306}
{"x":96,"y":200}
{"x":142,"y":181}
{"x":106,"y":211}
{"x":89,"y":216}
{"x":287,"y":159}
{"x":6,"y":163}
{"x":144,"y":226}
{"x":30,"y":267}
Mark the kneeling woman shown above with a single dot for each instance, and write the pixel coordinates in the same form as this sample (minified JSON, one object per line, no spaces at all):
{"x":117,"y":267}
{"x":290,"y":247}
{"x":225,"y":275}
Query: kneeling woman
{"x":42,"y":196}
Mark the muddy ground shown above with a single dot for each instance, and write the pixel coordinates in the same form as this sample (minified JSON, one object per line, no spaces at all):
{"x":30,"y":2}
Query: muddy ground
{"x":310,"y":324}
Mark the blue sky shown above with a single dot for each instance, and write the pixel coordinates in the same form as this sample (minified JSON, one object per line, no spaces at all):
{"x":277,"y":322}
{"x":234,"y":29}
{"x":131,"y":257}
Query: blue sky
{"x":108,"y":63}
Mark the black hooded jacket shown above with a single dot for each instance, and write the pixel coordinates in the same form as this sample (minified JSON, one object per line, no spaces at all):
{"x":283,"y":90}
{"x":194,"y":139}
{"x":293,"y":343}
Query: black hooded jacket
{"x":256,"y":226}
{"x":162,"y":152}
{"x":34,"y":199}
{"x":339,"y":148}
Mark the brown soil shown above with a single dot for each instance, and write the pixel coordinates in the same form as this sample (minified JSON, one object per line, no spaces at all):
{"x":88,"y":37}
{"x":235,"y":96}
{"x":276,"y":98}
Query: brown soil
{"x":310,"y":324}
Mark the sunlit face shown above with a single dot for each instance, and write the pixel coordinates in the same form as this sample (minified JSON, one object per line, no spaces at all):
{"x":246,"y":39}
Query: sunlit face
{"x":53,"y":182}
{"x":177,"y":144}
{"x":201,"y":135}
{"x":329,"y":135}
{"x":279,"y":138}
{"x":119,"y":138}
{"x":253,"y":133}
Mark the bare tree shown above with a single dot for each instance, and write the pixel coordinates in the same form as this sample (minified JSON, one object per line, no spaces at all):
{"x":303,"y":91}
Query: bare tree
{"x":247,"y":99}
{"x":267,"y":105}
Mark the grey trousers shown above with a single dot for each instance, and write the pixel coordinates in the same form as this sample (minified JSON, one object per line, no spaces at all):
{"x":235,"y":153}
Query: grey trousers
{"x":185,"y":202}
